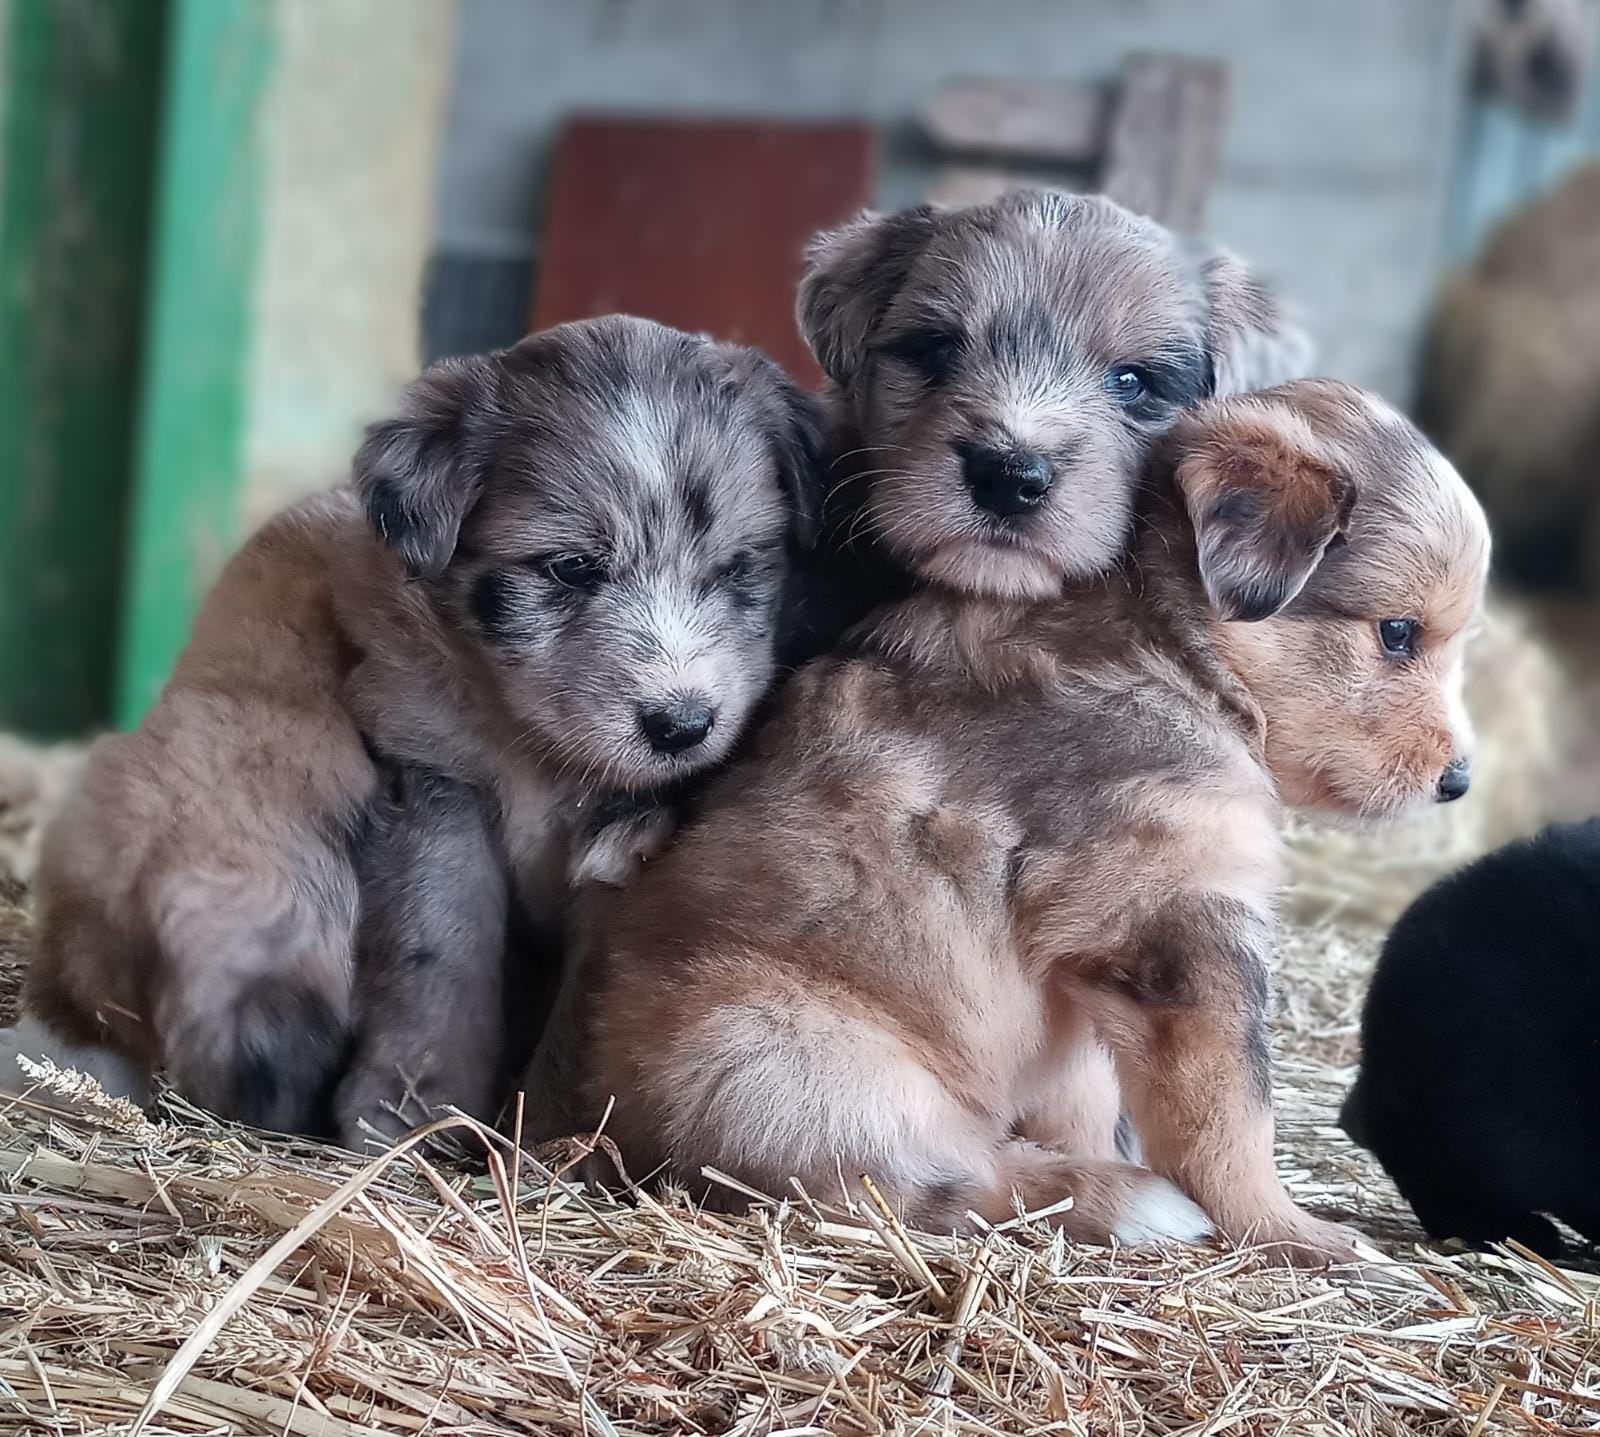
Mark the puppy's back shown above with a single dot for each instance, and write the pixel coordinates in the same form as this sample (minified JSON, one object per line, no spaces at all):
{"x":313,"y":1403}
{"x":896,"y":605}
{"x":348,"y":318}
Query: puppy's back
{"x":247,"y":744}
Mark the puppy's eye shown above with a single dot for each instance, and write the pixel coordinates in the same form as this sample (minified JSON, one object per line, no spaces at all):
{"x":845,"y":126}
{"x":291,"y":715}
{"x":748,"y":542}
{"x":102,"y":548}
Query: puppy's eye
{"x":933,"y":352}
{"x":1127,"y":383}
{"x":738,"y":569}
{"x":1398,"y":636}
{"x":585,"y":572}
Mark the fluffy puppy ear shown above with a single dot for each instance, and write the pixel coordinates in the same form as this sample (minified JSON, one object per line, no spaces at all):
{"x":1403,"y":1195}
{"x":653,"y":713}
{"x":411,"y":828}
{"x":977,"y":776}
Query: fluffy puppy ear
{"x":795,"y":429}
{"x":1265,"y":505}
{"x":852,"y":274}
{"x":420,"y":473}
{"x":1251,"y":341}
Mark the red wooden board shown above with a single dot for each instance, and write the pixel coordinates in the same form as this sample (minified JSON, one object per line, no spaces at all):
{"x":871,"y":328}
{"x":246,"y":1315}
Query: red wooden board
{"x":698,"y":223}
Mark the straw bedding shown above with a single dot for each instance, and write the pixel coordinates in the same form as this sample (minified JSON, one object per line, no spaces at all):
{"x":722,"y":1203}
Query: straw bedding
{"x":177,"y":1275}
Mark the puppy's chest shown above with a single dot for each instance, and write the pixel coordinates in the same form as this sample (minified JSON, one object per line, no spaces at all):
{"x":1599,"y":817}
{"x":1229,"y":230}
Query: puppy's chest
{"x":1122,"y":804}
{"x":535,"y":833}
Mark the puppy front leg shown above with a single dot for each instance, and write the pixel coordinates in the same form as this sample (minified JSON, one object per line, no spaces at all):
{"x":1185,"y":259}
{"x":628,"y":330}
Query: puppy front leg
{"x":606,"y":860}
{"x":1185,"y":1012}
{"x":430,"y":963}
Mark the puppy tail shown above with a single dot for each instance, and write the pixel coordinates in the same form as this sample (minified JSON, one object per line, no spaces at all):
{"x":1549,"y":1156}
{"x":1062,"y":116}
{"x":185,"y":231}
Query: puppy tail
{"x":1110,"y":1201}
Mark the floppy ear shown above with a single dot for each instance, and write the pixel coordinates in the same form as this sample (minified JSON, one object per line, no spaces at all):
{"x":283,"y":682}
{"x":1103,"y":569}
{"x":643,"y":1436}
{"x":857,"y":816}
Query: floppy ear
{"x":796,"y":430}
{"x":1265,"y":508}
{"x":419,"y":473}
{"x":852,"y":274}
{"x":1252,"y":342}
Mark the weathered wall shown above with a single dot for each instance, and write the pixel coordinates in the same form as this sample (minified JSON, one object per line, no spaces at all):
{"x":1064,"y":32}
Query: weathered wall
{"x":350,"y":136}
{"x":1343,"y":116}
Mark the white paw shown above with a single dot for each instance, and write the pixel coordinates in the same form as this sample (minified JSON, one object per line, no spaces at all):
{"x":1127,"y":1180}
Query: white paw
{"x":118,"y":1076}
{"x":1159,"y":1212}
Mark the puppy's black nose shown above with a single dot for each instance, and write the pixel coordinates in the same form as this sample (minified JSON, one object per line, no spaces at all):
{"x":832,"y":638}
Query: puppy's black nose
{"x":1007,"y":482}
{"x":1455,"y":781}
{"x":1552,"y":74}
{"x":677,"y":726}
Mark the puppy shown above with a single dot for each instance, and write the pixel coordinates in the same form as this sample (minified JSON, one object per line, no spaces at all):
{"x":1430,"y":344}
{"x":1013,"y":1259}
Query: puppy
{"x":1001,"y":839}
{"x":997,"y":375}
{"x":1510,"y":385}
{"x":1480,"y":1077}
{"x":555,"y":577}
{"x":1535,"y":54}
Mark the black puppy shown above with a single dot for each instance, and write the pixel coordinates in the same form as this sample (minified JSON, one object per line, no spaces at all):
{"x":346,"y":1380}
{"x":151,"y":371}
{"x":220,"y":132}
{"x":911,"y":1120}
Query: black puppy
{"x":1479,"y":1089}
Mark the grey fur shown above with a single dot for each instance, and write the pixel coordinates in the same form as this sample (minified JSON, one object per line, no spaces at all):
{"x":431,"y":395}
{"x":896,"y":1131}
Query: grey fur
{"x":998,"y":327}
{"x":349,"y":821}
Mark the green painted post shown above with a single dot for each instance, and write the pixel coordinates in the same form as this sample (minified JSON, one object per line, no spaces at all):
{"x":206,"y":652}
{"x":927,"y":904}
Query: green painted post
{"x":79,"y":102}
{"x":191,"y":439}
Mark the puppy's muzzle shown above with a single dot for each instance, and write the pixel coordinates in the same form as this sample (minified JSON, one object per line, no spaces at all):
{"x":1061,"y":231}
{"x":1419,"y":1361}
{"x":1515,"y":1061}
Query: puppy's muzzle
{"x":1006,"y":482}
{"x":677,"y":726}
{"x":1455,"y":780}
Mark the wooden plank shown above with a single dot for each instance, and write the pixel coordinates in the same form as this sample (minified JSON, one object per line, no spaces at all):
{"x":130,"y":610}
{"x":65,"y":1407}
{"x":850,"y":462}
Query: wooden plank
{"x":699,"y":223}
{"x":1060,"y":122}
{"x":1165,"y":142}
{"x":80,"y":87}
{"x":978,"y":184}
{"x":190,"y":453}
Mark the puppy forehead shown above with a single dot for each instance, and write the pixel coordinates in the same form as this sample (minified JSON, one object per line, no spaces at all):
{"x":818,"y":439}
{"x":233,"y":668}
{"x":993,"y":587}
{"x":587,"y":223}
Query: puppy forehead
{"x":1099,"y":277}
{"x":640,"y":449}
{"x":1418,"y":541}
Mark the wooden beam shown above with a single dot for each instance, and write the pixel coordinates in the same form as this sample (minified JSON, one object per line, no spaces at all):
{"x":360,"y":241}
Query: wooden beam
{"x":80,"y":88}
{"x":190,"y":479}
{"x":1165,"y":141}
{"x":1059,"y":122}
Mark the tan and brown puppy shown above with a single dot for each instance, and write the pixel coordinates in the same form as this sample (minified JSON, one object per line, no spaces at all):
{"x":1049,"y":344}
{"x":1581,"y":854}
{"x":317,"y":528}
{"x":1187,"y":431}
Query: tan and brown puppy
{"x":998,"y":375}
{"x":1510,"y":385}
{"x":555,"y":578}
{"x":1001,"y":840}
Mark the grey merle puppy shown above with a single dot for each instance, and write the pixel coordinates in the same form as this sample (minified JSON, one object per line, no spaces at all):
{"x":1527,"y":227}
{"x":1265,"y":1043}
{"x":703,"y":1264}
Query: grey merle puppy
{"x":555,"y":579}
{"x":997,"y":374}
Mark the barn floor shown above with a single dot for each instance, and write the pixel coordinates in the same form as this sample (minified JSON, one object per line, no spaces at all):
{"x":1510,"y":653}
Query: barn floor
{"x":259,"y":1285}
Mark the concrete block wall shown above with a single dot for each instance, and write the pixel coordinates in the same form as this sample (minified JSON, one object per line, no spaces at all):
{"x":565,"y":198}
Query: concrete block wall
{"x":1337,"y":154}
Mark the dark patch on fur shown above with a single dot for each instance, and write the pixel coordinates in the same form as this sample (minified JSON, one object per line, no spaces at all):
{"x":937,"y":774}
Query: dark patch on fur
{"x":290,"y":1048}
{"x":943,"y":1202}
{"x":388,"y":514}
{"x":1190,"y":956}
{"x":1180,"y":379}
{"x":696,"y":498}
{"x":491,"y":602}
{"x":1019,"y":336}
{"x":1014,"y":864}
{"x":1251,"y":603}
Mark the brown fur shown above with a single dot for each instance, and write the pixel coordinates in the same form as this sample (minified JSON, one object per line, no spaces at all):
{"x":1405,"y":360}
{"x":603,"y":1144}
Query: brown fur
{"x":1000,"y":842}
{"x":989,"y":329}
{"x":1510,"y":385}
{"x":378,"y":746}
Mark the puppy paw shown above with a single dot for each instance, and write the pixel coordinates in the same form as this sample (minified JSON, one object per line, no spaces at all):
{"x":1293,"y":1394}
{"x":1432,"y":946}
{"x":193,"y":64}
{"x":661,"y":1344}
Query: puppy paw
{"x":1304,"y":1241}
{"x":1160,"y":1212}
{"x":614,"y":855}
{"x":118,"y":1076}
{"x":380,"y":1102}
{"x":269,"y":1062}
